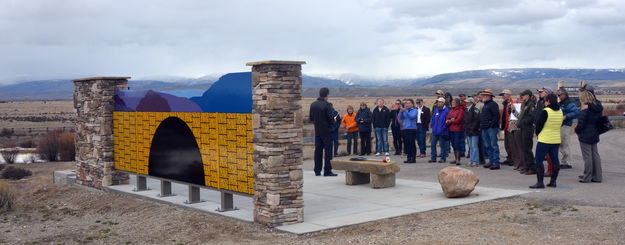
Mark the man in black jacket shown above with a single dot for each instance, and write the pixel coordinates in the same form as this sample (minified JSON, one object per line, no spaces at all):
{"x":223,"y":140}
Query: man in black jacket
{"x":424,"y":115}
{"x":381,"y":119}
{"x":526,"y":124}
{"x":321,"y":116}
{"x":489,"y":124}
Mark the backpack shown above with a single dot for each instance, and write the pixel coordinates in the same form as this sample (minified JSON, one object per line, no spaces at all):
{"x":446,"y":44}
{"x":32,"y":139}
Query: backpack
{"x":604,"y":125}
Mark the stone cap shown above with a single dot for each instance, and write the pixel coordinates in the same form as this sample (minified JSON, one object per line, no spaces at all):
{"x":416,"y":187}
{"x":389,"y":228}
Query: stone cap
{"x":369,"y":166}
{"x":100,"y":78}
{"x":275,"y":62}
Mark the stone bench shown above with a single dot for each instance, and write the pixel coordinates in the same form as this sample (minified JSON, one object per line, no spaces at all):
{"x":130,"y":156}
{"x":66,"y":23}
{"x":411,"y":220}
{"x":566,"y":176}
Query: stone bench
{"x":379,"y":174}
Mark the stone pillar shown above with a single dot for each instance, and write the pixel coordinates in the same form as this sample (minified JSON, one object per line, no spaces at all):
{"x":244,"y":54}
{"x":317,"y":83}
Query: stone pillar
{"x":277,"y":121}
{"x":94,"y":104}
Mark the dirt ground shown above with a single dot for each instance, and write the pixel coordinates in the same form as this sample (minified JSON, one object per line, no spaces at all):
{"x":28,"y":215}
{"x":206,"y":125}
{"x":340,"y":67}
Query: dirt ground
{"x":28,"y":120}
{"x":49,"y":214}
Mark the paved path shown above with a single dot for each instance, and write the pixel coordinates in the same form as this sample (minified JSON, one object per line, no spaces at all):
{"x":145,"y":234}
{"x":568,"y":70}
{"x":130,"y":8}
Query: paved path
{"x":610,"y":193}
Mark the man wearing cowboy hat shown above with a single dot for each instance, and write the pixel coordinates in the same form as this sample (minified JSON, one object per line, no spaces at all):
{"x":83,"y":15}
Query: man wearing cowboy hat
{"x":439,"y":94}
{"x":489,"y":124}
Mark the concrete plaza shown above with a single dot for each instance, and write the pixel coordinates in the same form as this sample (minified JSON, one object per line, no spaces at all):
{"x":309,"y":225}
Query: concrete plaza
{"x":329,"y":203}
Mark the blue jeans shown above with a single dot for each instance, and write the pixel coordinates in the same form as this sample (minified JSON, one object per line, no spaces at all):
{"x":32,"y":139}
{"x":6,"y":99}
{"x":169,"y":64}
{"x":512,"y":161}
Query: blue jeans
{"x":421,"y":139}
{"x":444,"y":146}
{"x":381,"y":140}
{"x":335,"y":142}
{"x":457,"y":140}
{"x":463,"y":147}
{"x":491,"y":145}
{"x":543,"y":149}
{"x":474,"y":149}
{"x":352,"y":137}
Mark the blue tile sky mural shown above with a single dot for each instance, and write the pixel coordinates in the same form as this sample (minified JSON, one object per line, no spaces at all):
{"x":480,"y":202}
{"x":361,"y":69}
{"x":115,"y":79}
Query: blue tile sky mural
{"x":232,"y":93}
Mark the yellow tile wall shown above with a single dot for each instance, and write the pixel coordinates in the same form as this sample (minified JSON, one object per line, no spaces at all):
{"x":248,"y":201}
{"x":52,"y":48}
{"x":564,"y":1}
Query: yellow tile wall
{"x":224,"y":139}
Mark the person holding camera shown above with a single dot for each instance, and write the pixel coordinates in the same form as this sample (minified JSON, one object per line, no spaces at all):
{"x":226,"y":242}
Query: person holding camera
{"x":364,"y":118}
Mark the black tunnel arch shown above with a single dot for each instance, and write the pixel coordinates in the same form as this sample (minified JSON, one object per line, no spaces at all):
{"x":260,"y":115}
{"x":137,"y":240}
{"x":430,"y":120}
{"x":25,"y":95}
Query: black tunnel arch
{"x":174,"y":153}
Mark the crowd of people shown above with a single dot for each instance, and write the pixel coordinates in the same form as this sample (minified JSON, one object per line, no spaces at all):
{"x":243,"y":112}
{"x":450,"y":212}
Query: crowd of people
{"x":470,"y":126}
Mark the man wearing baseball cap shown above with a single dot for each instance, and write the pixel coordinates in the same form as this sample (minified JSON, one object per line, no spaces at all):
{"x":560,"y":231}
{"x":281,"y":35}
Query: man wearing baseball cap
{"x":440,"y":131}
{"x":506,"y":95}
{"x":526,"y":125}
{"x":571,"y":111}
{"x":489,"y":123}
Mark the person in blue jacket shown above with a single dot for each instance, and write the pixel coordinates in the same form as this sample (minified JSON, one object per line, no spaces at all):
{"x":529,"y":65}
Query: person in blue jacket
{"x":440,"y":131}
{"x":408,"y":115}
{"x":363,"y":118}
{"x":334,"y":130}
{"x":571,"y":112}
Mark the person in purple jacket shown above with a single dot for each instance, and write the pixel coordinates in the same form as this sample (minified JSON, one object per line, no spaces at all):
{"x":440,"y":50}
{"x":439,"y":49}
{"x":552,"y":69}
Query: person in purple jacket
{"x":440,"y":132}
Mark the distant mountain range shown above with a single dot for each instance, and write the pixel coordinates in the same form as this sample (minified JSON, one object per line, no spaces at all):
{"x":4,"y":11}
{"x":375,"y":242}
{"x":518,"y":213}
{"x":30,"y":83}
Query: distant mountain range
{"x":527,"y":77}
{"x":61,"y":89}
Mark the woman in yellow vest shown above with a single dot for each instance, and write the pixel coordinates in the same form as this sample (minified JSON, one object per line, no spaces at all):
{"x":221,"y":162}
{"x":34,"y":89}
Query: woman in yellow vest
{"x":548,"y":131}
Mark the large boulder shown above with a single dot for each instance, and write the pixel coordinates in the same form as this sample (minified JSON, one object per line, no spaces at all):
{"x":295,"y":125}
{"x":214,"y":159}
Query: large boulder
{"x":457,"y":181}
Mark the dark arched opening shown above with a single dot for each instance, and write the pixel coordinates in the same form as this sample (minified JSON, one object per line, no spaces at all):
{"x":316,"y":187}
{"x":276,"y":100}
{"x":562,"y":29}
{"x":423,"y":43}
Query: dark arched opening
{"x":174,"y":153}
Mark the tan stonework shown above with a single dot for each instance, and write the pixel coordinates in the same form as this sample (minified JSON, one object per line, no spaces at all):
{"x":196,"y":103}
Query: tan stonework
{"x":276,"y":95}
{"x":94,"y":104}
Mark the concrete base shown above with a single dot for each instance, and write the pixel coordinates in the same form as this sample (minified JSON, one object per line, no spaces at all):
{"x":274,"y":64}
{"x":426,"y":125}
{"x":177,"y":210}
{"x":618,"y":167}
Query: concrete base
{"x":356,"y":178}
{"x":382,"y":180}
{"x":329,"y":203}
{"x":64,"y":177}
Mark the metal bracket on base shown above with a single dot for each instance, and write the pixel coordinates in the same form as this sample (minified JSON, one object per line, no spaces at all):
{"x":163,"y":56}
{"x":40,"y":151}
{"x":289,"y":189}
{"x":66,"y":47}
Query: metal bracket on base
{"x":194,"y":195}
{"x":227,"y":202}
{"x":166,"y":189}
{"x":141,"y":184}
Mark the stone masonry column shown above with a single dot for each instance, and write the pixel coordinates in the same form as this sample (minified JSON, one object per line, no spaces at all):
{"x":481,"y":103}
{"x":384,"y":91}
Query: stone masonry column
{"x":94,"y":104}
{"x":277,"y":121}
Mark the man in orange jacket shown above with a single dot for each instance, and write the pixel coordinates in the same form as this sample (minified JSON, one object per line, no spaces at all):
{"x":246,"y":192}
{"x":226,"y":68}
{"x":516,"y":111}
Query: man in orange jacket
{"x":351,"y":127}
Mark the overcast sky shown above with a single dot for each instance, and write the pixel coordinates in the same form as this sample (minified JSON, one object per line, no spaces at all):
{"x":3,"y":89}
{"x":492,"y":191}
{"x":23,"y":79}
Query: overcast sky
{"x":392,"y":38}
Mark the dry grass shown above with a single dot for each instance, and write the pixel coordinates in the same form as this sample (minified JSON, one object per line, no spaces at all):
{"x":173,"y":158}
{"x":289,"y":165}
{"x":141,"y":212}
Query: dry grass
{"x":57,"y":146}
{"x":15,"y":173}
{"x":614,"y":110}
{"x":7,"y":196}
{"x":48,"y":146}
{"x":49,"y":214}
{"x":9,"y":154}
{"x":67,"y":146}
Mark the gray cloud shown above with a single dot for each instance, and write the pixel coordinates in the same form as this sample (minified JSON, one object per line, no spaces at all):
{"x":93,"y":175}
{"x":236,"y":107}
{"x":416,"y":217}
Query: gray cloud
{"x":70,"y":38}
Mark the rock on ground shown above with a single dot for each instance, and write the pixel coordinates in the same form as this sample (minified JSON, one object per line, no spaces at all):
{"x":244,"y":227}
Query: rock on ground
{"x":457,"y":181}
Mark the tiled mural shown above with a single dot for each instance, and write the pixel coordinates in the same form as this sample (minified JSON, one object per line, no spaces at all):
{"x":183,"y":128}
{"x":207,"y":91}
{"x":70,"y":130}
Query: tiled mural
{"x":176,"y":138}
